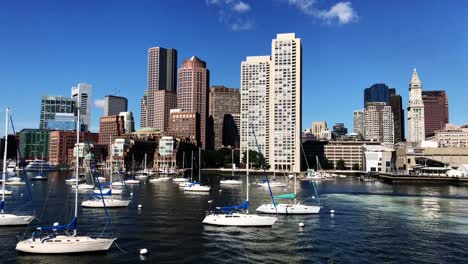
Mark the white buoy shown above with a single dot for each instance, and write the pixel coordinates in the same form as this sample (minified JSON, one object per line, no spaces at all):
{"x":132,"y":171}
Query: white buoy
{"x":332,"y":211}
{"x":143,"y":251}
{"x":301,"y":224}
{"x":140,"y":206}
{"x":21,"y":195}
{"x":220,"y":190}
{"x":131,"y":194}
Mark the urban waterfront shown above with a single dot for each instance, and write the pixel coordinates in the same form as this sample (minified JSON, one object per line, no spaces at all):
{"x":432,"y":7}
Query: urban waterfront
{"x":373,"y":222}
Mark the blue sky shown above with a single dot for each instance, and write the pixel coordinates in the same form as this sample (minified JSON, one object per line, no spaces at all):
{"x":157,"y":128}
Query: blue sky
{"x":48,"y":46}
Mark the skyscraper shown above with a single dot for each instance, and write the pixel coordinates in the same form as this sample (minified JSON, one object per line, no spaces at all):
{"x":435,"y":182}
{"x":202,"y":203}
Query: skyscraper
{"x":286,"y":103}
{"x":51,"y":105}
{"x":82,"y":94}
{"x":255,"y":104}
{"x":110,"y":127}
{"x":378,"y":118}
{"x":193,"y":83}
{"x":436,"y":114}
{"x":162,"y":66}
{"x":378,"y":92}
{"x":339,"y":130}
{"x":224,"y":102}
{"x":359,"y":124}
{"x":416,"y":130}
{"x":164,"y":101}
{"x":113,"y":105}
{"x":129,"y":123}
{"x":398,"y":115}
{"x":144,"y":110}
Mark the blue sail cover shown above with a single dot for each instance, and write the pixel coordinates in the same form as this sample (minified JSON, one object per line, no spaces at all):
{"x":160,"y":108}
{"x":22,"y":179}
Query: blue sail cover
{"x":227,"y":209}
{"x":2,"y":205}
{"x":109,"y":192}
{"x":70,"y":226}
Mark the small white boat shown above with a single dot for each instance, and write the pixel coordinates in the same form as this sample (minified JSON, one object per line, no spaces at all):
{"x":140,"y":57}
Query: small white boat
{"x":272,"y":184}
{"x":160,"y":179}
{"x":39,"y":178}
{"x":141,"y":176}
{"x":291,"y":176}
{"x":118,"y":184}
{"x":288,"y":209}
{"x":197,"y":188}
{"x":13,"y":179}
{"x":7,"y":192}
{"x":230,"y":182}
{"x":64,"y":244}
{"x":132,"y":182}
{"x":84,"y":186}
{"x":15,"y":183}
{"x":342,"y":176}
{"x":15,"y":220}
{"x":107,"y":190}
{"x":101,"y":179}
{"x":11,"y":167}
{"x":110,"y":203}
{"x":184,"y":184}
{"x":179,"y":180}
{"x":73,"y":181}
{"x":239,"y":219}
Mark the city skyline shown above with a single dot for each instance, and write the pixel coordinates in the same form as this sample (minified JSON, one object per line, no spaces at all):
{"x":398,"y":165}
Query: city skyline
{"x":333,"y":68}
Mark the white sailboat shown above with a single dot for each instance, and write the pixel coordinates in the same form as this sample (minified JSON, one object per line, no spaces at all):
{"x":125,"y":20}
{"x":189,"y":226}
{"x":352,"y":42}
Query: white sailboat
{"x":181,"y":178}
{"x":132,"y":180}
{"x":9,"y":219}
{"x":273,"y":183}
{"x":186,"y":183}
{"x":197,"y":187}
{"x":142,"y":174}
{"x":235,"y":216}
{"x":41,"y":176}
{"x":53,"y":243}
{"x":231,"y":181}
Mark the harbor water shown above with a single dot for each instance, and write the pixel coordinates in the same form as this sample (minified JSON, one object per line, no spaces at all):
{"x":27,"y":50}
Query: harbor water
{"x":373,"y":222}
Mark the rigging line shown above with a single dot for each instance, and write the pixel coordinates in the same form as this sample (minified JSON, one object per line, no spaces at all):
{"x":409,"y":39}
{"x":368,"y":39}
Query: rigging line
{"x":117,"y":245}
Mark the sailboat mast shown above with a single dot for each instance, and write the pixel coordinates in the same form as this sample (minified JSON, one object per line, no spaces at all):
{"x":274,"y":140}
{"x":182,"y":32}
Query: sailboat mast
{"x":111,"y":161}
{"x":199,"y":164}
{"x":5,"y":156}
{"x":183,"y":159}
{"x":232,"y":159}
{"x":78,"y":123}
{"x":191,"y":168}
{"x":295,"y":190}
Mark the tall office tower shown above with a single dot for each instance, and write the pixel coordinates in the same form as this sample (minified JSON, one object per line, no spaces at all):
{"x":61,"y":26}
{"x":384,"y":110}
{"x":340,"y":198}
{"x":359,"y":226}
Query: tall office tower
{"x":113,"y":105}
{"x":164,"y":101}
{"x":255,"y":105}
{"x":339,"y":130}
{"x":185,"y":125}
{"x":378,"y":92}
{"x":162,"y":66}
{"x":398,"y":115}
{"x":144,"y":110}
{"x":286,"y":103}
{"x":318,"y":127}
{"x":51,"y":105}
{"x":416,"y":130}
{"x":379,"y":122}
{"x":110,"y":127}
{"x":224,"y":103}
{"x":359,"y":124}
{"x":82,"y":94}
{"x":436,"y":113}
{"x":129,"y":123}
{"x":193,"y":83}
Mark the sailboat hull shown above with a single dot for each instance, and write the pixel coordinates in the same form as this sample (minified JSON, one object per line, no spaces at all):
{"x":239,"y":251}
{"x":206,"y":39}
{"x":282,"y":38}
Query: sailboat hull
{"x":132,"y":182}
{"x":179,"y":180}
{"x":64,"y":245}
{"x":15,"y":220}
{"x":288,"y":209}
{"x":110,"y":203}
{"x":240,"y":220}
{"x":161,"y":179}
{"x":230,"y":182}
{"x":197,"y":188}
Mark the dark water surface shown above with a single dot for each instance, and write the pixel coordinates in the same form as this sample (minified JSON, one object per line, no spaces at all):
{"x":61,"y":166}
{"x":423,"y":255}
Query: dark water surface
{"x":372,"y":223}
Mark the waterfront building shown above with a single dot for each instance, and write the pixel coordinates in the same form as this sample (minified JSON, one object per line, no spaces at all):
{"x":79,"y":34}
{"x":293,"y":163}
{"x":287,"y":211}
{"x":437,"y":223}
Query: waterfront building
{"x":436,"y":112}
{"x":351,"y":152}
{"x":359,"y":124}
{"x":223,"y":104}
{"x":452,"y":136}
{"x":113,"y":105}
{"x":110,"y":127}
{"x":378,"y":118}
{"x":255,"y":105}
{"x":185,"y":125}
{"x":61,"y":145}
{"x":416,"y":129}
{"x":82,"y":95}
{"x":162,"y":75}
{"x":51,"y":105}
{"x":164,"y":101}
{"x":378,"y":92}
{"x":449,"y":156}
{"x":129,"y":123}
{"x":378,"y":158}
{"x":193,"y":89}
{"x":398,"y":116}
{"x":62,"y":121}
{"x":339,"y":130}
{"x":34,"y":143}
{"x":144,"y":109}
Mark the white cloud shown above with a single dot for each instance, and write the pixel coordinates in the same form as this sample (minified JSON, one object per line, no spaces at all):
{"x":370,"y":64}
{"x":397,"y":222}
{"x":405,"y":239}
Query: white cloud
{"x":241,"y":7}
{"x":99,"y":103}
{"x":342,"y":12}
{"x":233,"y":13}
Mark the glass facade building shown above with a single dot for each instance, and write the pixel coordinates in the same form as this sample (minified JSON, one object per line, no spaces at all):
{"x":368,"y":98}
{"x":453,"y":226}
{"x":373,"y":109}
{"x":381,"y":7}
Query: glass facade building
{"x":378,"y":92}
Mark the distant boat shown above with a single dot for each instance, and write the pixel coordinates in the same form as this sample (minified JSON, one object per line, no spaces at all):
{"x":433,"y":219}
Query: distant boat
{"x":231,"y":181}
{"x":197,"y":187}
{"x":40,"y":165}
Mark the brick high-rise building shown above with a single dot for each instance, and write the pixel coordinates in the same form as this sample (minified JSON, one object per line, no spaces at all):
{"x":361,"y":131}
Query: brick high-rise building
{"x":111,"y":127}
{"x":224,"y":102}
{"x":193,"y":85}
{"x":162,"y":75}
{"x":62,"y":142}
{"x":436,"y":113}
{"x":164,"y":101}
{"x":185,"y":125}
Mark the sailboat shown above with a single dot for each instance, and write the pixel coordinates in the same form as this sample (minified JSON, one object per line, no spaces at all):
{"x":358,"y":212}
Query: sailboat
{"x":274,"y":183}
{"x":187,"y":183}
{"x":9,"y":219}
{"x":64,"y":239}
{"x":181,"y":178}
{"x":238,"y":215}
{"x":132,"y":180}
{"x":107,"y":189}
{"x":197,"y":187}
{"x":41,"y":176}
{"x":142,"y":174}
{"x":231,"y":181}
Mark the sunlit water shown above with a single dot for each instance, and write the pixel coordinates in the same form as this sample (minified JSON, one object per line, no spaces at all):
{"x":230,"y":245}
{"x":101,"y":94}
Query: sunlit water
{"x":372,"y":223}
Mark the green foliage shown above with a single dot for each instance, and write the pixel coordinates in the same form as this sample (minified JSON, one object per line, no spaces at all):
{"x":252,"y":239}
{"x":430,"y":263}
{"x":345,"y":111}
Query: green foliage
{"x":219,"y":158}
{"x":255,"y":159}
{"x":356,"y":166}
{"x":340,"y":165}
{"x":327,"y":164}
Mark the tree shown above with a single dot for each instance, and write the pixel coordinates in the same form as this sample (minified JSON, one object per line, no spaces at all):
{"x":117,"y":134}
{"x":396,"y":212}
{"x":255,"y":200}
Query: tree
{"x":356,"y":167}
{"x":341,"y":165}
{"x":327,"y":164}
